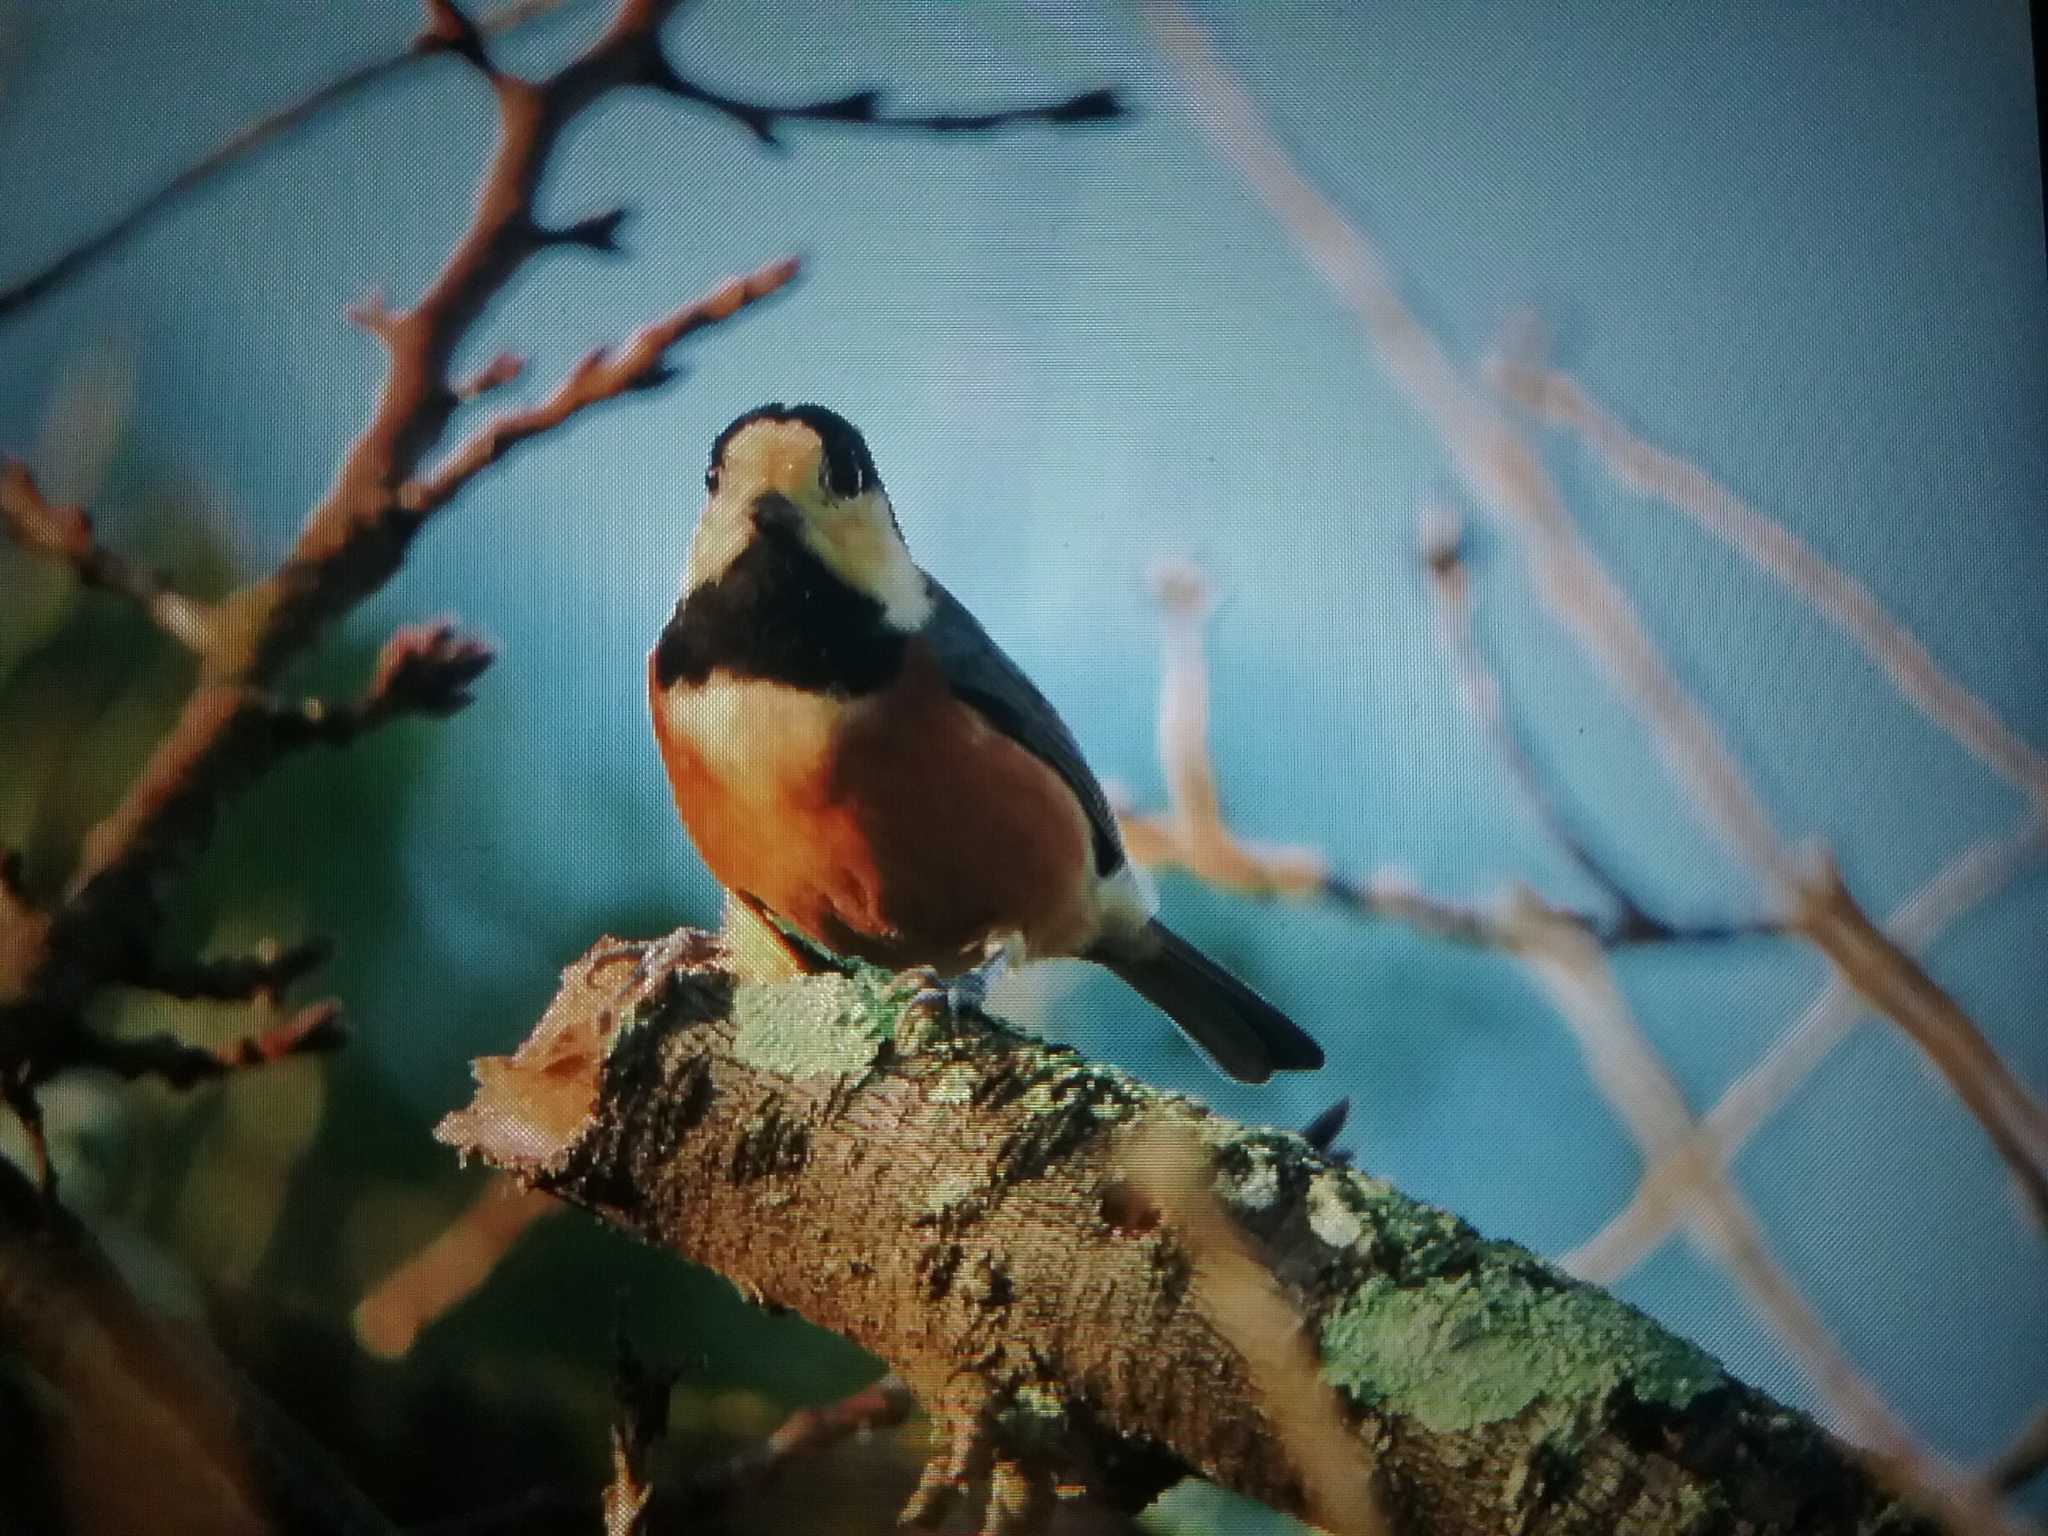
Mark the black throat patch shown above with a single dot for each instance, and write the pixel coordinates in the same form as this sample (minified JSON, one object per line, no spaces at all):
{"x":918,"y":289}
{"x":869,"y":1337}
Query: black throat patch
{"x":779,"y":613}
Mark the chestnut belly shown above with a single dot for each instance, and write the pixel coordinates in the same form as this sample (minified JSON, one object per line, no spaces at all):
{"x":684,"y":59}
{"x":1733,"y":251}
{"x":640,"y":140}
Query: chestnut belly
{"x":899,"y":827}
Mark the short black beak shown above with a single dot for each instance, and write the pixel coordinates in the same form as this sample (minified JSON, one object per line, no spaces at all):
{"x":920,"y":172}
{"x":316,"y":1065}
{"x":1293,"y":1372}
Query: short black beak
{"x":773,"y":509}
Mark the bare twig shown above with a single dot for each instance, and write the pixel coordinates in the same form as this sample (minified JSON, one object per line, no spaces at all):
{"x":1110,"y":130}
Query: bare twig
{"x":232,"y":727}
{"x":65,"y":535}
{"x":449,"y":1269}
{"x":423,"y":670}
{"x":1443,"y":560}
{"x":449,"y":30}
{"x":313,"y":1030}
{"x":1970,"y":880}
{"x":805,"y":1433}
{"x":600,"y":376}
{"x":1503,"y":473}
{"x":864,"y":108}
{"x":237,"y":978}
{"x":1193,"y":836}
{"x":2025,"y":1459}
{"x":1833,"y":593}
{"x":239,"y":145}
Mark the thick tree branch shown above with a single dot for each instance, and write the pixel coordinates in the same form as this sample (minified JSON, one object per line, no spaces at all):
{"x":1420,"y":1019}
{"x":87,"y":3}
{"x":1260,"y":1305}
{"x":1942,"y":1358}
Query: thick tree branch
{"x":115,"y":1422}
{"x":960,"y":1200}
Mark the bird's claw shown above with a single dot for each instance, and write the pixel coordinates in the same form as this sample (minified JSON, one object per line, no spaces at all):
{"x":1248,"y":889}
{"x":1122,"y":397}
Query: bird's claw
{"x":963,"y":994}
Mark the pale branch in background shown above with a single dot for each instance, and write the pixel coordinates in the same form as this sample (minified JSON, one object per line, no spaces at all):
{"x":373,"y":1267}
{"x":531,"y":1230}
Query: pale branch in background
{"x":456,"y":33}
{"x":1450,"y":582}
{"x":1570,"y":967}
{"x":1192,"y":834}
{"x":1971,"y":880}
{"x":1847,"y":603}
{"x":448,"y":1269}
{"x":981,"y":1210}
{"x":1505,"y":475}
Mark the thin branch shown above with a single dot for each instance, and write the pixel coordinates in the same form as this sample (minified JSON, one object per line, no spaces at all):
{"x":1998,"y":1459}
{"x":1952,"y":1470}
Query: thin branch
{"x":448,"y":1269}
{"x":313,"y":1030}
{"x":805,"y":1433}
{"x":600,"y":376}
{"x":1969,"y":881}
{"x":1837,"y":596}
{"x":65,"y":536}
{"x":864,"y":108}
{"x":237,"y":978}
{"x":423,"y":670}
{"x":1443,"y":561}
{"x":1569,"y":966}
{"x":1503,"y":473}
{"x":244,"y":142}
{"x":2025,"y":1459}
{"x":1193,"y":836}
{"x":1892,"y":981}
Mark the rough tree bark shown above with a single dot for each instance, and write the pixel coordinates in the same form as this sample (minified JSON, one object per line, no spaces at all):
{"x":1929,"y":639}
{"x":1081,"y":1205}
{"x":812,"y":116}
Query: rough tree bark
{"x":976,"y":1207}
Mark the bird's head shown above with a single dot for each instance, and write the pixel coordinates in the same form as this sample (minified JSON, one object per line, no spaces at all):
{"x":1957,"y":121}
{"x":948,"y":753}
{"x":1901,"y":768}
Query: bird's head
{"x":806,"y":469}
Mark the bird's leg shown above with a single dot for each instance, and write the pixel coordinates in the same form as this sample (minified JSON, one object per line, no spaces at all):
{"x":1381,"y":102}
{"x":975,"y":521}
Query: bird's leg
{"x":763,"y":950}
{"x":967,"y":992}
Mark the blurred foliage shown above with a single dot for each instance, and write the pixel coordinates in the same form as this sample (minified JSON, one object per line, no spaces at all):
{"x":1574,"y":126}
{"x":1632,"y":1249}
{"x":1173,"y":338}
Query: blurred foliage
{"x":270,"y":1203}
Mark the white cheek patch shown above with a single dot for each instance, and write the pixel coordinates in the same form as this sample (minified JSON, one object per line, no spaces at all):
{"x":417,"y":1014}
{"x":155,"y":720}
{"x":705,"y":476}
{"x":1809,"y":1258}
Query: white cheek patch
{"x":753,"y":736}
{"x":856,"y":539}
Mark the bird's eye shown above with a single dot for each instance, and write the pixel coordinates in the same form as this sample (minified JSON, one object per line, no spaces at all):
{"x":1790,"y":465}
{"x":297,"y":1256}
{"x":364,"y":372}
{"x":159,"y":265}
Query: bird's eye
{"x":711,"y":480}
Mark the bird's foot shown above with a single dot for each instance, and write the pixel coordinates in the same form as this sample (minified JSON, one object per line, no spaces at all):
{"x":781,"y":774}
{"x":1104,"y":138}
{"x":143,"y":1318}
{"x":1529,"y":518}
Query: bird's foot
{"x":965,"y":993}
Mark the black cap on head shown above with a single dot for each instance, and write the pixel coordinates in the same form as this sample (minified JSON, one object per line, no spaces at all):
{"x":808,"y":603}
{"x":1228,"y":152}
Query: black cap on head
{"x":849,"y":469}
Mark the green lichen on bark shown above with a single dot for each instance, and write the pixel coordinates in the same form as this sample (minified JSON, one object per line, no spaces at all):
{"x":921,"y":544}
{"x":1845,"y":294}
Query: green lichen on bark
{"x":1457,"y":1353}
{"x":814,"y":1026}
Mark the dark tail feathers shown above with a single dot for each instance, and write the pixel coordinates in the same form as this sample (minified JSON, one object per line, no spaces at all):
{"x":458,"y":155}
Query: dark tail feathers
{"x":1243,"y":1034}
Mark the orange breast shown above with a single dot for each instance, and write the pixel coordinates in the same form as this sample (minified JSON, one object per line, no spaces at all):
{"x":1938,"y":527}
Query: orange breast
{"x":899,"y":827}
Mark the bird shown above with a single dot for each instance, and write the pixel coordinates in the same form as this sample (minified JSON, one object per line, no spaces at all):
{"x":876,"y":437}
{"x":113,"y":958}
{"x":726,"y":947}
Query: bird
{"x":861,"y":766}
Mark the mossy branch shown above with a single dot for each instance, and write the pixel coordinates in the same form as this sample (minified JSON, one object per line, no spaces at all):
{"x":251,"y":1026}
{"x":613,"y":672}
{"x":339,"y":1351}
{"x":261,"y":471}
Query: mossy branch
{"x":982,"y":1211}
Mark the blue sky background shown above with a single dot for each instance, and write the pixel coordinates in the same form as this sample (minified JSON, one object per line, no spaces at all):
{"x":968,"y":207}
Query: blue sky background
{"x":1799,"y":244}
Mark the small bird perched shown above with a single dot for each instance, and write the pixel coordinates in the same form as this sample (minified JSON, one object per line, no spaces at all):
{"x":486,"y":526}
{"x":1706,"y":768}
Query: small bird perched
{"x":858,"y":762}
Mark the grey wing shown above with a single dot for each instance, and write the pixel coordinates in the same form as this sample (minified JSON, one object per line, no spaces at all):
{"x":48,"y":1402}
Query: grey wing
{"x":981,"y":675}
